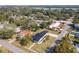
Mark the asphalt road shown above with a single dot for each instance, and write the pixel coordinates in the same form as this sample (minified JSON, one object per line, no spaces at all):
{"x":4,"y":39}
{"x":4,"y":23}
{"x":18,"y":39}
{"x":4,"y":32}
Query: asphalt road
{"x":10,"y":47}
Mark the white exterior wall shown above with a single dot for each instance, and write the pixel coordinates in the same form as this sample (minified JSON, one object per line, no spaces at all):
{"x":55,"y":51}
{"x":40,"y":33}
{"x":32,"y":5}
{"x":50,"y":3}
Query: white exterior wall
{"x":42,"y":39}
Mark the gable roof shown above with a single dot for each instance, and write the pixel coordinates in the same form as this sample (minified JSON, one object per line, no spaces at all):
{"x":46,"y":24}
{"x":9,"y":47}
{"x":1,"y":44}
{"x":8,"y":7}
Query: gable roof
{"x":38,"y":36}
{"x":56,"y":24}
{"x":77,"y":45}
{"x":76,"y":26}
{"x":24,"y":33}
{"x":76,"y":34}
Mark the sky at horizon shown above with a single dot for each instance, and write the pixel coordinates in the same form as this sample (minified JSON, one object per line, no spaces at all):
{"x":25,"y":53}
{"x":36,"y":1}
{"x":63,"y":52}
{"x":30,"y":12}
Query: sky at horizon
{"x":39,"y":2}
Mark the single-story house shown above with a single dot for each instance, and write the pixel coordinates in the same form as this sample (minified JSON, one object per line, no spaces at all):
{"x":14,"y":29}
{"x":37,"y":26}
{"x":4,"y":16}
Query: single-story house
{"x":54,"y":25}
{"x":17,"y":30}
{"x":77,"y":45}
{"x":62,"y":21}
{"x":38,"y":22}
{"x":1,"y":26}
{"x":23,"y":33}
{"x":75,"y":26}
{"x":76,"y":34}
{"x":39,"y":37}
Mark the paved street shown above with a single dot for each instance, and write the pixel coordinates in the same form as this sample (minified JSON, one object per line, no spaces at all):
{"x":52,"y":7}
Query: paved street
{"x":11,"y":47}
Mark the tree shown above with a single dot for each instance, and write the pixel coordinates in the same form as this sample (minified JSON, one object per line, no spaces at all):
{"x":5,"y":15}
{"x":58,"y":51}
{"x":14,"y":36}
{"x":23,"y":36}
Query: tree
{"x":65,"y":47}
{"x":76,"y":19}
{"x":6,"y":34}
{"x":23,"y":41}
{"x":34,"y":27}
{"x":45,"y":24}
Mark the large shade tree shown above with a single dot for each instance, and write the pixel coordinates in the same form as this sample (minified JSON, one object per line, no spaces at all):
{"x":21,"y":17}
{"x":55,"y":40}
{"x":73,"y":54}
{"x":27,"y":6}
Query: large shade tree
{"x":6,"y":34}
{"x":65,"y":47}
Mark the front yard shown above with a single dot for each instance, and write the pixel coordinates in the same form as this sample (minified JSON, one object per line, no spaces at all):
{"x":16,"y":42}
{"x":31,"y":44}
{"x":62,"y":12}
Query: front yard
{"x":44,"y":45}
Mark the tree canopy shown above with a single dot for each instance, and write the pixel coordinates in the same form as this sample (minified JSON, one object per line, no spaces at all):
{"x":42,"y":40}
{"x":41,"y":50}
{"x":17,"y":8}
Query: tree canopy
{"x":65,"y":47}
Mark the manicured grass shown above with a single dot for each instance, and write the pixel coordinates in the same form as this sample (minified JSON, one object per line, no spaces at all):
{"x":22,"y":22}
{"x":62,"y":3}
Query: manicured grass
{"x":44,"y":45}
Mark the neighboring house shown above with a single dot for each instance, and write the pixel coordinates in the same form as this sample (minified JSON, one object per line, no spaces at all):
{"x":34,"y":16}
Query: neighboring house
{"x":38,"y":22}
{"x":1,"y":26}
{"x":18,"y":29}
{"x":63,"y":18}
{"x":75,"y":34}
{"x":40,"y":37}
{"x":62,"y":21}
{"x":54,"y":25}
{"x":74,"y":26}
{"x":77,"y":45}
{"x":23,"y":33}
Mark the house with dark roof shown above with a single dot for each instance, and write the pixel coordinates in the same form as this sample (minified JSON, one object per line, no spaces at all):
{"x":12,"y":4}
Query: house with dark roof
{"x":74,"y":26}
{"x":77,"y":45}
{"x":76,"y":34}
{"x":39,"y":37}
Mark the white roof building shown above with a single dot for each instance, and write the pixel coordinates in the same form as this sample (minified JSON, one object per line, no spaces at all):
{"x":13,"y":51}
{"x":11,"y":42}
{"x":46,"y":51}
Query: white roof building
{"x":54,"y":25}
{"x":17,"y":29}
{"x":1,"y":26}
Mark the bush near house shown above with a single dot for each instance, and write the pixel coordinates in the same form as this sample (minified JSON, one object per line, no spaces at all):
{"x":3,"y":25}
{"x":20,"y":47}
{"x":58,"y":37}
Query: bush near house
{"x":23,"y":41}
